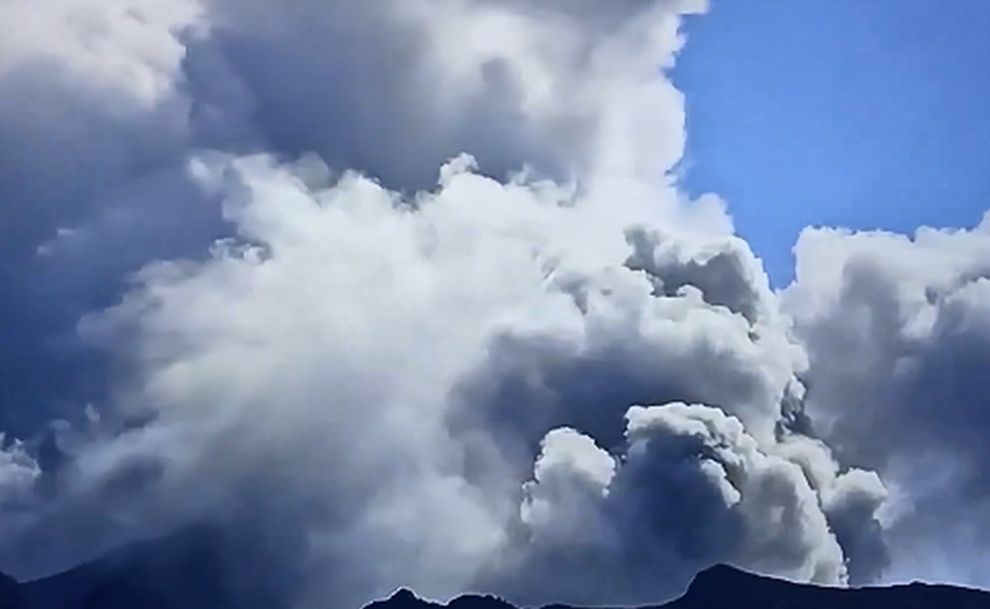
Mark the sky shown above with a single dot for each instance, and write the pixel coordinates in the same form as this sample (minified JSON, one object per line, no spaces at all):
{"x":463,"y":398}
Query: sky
{"x":468,"y":294}
{"x":861,"y":114}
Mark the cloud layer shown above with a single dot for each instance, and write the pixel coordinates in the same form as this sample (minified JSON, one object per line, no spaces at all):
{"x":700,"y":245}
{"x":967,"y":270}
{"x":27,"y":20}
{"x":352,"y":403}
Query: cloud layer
{"x":405,"y":293}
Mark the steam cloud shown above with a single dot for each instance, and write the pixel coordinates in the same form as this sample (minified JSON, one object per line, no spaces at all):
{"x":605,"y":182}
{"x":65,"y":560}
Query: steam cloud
{"x":403,"y":293}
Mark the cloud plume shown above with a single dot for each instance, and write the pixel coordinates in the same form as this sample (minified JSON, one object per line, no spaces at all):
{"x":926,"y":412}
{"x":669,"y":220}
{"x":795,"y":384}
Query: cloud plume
{"x":404,"y":293}
{"x":897,"y":336}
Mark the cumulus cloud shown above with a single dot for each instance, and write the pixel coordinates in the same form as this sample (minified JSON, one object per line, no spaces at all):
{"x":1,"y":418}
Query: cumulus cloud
{"x":395,"y":88}
{"x":102,"y":106}
{"x":381,"y":371}
{"x":896,"y":333}
{"x":377,"y":286}
{"x":690,"y":488}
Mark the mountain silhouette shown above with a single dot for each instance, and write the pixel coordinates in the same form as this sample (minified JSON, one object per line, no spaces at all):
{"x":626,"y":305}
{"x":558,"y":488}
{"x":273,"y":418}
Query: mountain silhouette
{"x":725,"y":587}
{"x":191,"y":569}
{"x":188,"y":570}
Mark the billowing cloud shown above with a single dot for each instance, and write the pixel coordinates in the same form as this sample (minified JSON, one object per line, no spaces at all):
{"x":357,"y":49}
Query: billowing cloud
{"x":102,"y":106}
{"x":380,"y":370}
{"x":377,"y":288}
{"x":395,"y":88}
{"x":897,"y":335}
{"x":691,"y":488}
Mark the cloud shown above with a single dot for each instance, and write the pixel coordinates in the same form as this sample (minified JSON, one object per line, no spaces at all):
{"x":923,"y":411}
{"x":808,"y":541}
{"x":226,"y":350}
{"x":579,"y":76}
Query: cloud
{"x":103,"y":106}
{"x":381,"y":371}
{"x":396,"y":88}
{"x":18,"y":474}
{"x":896,"y":334}
{"x":691,"y":488}
{"x":83,"y":87}
{"x":377,"y":286}
{"x":92,"y":117}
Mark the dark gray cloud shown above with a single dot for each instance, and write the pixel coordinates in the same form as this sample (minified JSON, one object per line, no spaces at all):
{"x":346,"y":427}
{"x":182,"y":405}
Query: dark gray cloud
{"x":690,"y":489}
{"x":90,"y":125}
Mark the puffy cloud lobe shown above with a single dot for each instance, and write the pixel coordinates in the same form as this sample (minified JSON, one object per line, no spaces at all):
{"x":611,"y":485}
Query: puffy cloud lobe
{"x":726,"y":272}
{"x":896,"y":333}
{"x":851,"y":499}
{"x":571,"y":475}
{"x":785,"y":530}
{"x":395,"y":88}
{"x":83,"y":87}
{"x":122,"y":44}
{"x":691,"y":488}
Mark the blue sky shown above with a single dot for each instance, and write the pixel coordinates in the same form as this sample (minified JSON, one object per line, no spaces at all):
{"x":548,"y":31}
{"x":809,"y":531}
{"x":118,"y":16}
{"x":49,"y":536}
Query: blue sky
{"x":867,"y":114}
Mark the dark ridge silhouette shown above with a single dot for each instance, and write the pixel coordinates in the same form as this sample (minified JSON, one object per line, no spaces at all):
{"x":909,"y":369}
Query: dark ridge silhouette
{"x":725,"y":587}
{"x":189,"y":570}
{"x":404,"y":598}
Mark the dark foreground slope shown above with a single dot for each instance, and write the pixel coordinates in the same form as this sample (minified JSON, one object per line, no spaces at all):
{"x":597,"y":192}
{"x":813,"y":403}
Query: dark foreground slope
{"x":723,"y":587}
{"x":187,"y":571}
